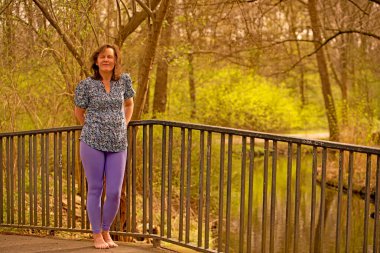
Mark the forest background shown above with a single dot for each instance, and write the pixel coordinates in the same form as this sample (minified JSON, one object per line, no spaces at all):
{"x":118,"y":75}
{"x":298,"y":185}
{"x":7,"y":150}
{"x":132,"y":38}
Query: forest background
{"x":277,"y":66}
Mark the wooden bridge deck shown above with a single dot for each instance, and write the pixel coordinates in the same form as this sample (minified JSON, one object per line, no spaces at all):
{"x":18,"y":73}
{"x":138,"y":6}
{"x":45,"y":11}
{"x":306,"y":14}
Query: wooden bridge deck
{"x":13,"y":243}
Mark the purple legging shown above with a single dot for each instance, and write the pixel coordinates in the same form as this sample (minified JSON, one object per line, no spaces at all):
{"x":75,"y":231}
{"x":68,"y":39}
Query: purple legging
{"x":97,"y":165}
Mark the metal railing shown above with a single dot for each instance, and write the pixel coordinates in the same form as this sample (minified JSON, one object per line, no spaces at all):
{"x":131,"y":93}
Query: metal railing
{"x":207,"y":188}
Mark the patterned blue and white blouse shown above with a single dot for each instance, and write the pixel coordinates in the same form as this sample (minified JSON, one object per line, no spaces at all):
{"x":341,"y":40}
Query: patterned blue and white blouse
{"x":104,"y":127}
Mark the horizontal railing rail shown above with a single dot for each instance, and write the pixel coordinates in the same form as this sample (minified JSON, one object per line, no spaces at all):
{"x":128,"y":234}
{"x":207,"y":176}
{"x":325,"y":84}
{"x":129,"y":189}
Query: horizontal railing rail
{"x":207,"y":188}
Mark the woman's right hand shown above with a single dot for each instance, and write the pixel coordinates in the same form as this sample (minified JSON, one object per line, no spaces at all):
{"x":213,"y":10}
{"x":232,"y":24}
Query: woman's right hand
{"x":79,"y":114}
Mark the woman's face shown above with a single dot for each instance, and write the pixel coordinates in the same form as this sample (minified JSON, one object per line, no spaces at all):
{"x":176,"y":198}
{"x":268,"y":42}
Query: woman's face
{"x":106,"y":60}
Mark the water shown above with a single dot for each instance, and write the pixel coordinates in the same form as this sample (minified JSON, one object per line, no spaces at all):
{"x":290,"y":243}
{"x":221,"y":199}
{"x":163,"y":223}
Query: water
{"x":304,"y":241}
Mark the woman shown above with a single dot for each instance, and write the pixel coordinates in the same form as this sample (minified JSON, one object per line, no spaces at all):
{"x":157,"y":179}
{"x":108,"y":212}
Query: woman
{"x":104,"y":106}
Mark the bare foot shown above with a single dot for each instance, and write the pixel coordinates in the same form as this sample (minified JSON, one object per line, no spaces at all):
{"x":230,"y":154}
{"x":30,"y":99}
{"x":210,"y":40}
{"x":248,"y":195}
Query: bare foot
{"x":99,"y":242}
{"x":107,"y":238}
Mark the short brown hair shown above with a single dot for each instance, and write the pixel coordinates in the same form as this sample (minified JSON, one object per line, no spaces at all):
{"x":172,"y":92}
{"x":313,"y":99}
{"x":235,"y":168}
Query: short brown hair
{"x":117,"y":69}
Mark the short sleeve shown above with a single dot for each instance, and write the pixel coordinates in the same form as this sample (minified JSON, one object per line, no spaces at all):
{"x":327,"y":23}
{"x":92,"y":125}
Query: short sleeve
{"x":129,"y":92}
{"x":81,"y":95}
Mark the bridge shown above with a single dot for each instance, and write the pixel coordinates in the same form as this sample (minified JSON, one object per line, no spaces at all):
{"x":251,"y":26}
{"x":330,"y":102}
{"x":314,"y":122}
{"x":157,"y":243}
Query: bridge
{"x":203,"y":188}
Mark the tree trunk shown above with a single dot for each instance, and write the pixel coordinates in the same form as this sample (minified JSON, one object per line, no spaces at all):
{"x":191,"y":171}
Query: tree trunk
{"x":147,"y":60}
{"x":293,"y":35}
{"x":161,"y":86}
{"x":344,"y":76}
{"x":146,"y":105}
{"x":323,"y":73}
{"x":192,"y":85}
{"x":302,"y":70}
{"x":143,"y":83}
{"x":147,"y":30}
{"x":9,"y":35}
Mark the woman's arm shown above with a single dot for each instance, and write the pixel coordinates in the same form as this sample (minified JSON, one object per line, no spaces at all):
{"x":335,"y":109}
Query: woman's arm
{"x":79,"y":114}
{"x":128,"y":109}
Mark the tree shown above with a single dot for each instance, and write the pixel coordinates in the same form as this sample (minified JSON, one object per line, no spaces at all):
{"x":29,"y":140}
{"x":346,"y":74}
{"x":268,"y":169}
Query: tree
{"x":323,"y":72}
{"x":161,"y":86}
{"x":147,"y":59}
{"x":122,"y":33}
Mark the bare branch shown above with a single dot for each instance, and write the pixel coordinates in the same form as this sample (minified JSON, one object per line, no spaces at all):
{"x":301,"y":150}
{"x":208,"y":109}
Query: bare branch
{"x":69,"y":44}
{"x":357,"y":6}
{"x":92,"y":27}
{"x":330,"y":39}
{"x":5,"y":6}
{"x":132,"y":25}
{"x":57,"y":57}
{"x":126,"y":9}
{"x":146,"y":8}
{"x":133,"y":7}
{"x":231,"y":54}
{"x":119,"y":12}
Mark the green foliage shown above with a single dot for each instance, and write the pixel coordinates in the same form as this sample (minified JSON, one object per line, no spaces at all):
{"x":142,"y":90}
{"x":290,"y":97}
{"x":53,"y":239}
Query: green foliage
{"x":34,"y":98}
{"x":235,"y":98}
{"x":231,"y":97}
{"x":362,"y":122}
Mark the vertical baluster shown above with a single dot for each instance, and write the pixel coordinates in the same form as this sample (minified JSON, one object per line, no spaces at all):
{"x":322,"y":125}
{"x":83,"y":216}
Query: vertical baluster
{"x":7,"y":189}
{"x":1,"y":182}
{"x":19,"y":180}
{"x":73,"y":189}
{"x":221,"y":192}
{"x":43,"y":177}
{"x":47,"y":191}
{"x":134,"y":132}
{"x":188,"y":185}
{"x":145,"y":181}
{"x":313,"y":198}
{"x":31,"y":180}
{"x":128,"y":183}
{"x":151,"y":179}
{"x":339,"y":207}
{"x":297,"y":198}
{"x":181,"y":186}
{"x":265,"y":197}
{"x":250,"y":193}
{"x":229,"y":186}
{"x":82,"y":190}
{"x":35,"y":180}
{"x":273,"y":196}
{"x":60,"y":175}
{"x":242,"y":194}
{"x":323,"y":201}
{"x":200,"y":188}
{"x":376,"y":228}
{"x":11,"y":180}
{"x":349,"y":199}
{"x":68,"y":173}
{"x":208,"y":179}
{"x":367,"y":200}
{"x":288,"y":198}
{"x":23,"y":179}
{"x":55,"y":163}
{"x":170,"y":175}
{"x":163,"y":179}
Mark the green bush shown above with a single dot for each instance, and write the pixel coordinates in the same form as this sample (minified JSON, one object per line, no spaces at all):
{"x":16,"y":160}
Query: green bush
{"x":230,"y":97}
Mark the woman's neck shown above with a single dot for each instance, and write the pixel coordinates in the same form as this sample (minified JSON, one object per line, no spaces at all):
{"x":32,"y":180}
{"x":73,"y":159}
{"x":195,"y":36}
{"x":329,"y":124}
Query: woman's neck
{"x":106,"y":76}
